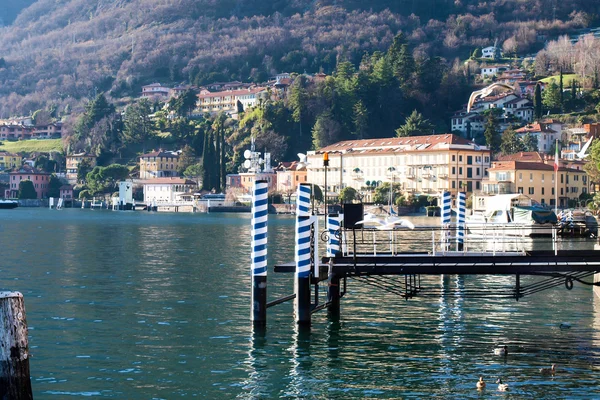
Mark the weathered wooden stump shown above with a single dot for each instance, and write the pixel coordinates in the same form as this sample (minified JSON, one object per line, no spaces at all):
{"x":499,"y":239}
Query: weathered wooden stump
{"x":15,"y":383}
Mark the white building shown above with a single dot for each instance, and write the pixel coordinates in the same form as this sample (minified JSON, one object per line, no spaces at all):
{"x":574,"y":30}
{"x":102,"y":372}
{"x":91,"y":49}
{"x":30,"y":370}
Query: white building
{"x":156,"y":90}
{"x":491,"y":70}
{"x":488,"y":52}
{"x":166,"y":190}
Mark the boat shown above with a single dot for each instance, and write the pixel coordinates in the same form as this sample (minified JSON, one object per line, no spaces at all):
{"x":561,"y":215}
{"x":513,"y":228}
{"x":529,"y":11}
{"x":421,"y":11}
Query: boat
{"x":8,"y":204}
{"x":577,"y":222}
{"x":512,"y":215}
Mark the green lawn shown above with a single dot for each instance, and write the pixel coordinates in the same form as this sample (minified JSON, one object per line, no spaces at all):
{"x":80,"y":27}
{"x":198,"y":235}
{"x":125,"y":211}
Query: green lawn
{"x":567,"y":78}
{"x":28,"y":146}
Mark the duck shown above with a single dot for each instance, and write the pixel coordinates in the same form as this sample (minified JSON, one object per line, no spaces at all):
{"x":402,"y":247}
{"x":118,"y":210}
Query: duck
{"x":502,"y":387}
{"x":548,"y":371}
{"x":480,"y":383}
{"x":501,"y":351}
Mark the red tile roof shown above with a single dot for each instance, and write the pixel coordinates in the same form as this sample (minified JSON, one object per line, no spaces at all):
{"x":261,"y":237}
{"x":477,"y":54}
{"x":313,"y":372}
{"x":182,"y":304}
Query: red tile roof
{"x":173,"y":180}
{"x":422,"y":143}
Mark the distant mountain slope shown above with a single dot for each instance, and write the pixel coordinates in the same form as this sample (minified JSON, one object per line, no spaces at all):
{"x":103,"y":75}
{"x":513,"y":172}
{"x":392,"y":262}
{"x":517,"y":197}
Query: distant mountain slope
{"x":65,"y":50}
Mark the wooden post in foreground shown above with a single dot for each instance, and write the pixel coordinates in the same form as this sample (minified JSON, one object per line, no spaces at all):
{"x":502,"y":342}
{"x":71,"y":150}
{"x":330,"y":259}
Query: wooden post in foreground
{"x":15,"y":382}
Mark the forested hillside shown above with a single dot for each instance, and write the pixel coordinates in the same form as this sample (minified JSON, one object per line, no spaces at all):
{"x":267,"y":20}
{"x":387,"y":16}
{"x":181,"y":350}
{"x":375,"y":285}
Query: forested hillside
{"x":65,"y":51}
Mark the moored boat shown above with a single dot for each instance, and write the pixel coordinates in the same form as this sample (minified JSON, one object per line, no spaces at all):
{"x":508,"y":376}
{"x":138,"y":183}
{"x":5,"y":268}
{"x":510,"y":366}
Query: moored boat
{"x":8,"y":204}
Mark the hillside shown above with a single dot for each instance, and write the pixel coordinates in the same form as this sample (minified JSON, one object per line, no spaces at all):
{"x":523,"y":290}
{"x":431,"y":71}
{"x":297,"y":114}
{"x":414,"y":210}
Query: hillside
{"x":64,"y":51}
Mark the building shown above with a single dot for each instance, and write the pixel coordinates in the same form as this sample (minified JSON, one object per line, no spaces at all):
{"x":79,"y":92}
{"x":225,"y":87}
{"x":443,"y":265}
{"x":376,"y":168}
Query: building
{"x":16,"y":132}
{"x":419,"y":164}
{"x":536,"y":180}
{"x":493,"y":70}
{"x":227,"y":100}
{"x":66,"y":193}
{"x":9,"y":160}
{"x":546,"y":136}
{"x":156,"y":90}
{"x":40,"y":180}
{"x":289,"y":176}
{"x":167,"y":190}
{"x":73,"y":162}
{"x":48,"y":131}
{"x":488,"y":52}
{"x":247,"y":180}
{"x":158,"y":164}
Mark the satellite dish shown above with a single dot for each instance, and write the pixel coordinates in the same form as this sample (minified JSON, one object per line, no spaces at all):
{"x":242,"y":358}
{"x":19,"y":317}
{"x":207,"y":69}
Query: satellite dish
{"x":247,"y":154}
{"x":247,"y":163}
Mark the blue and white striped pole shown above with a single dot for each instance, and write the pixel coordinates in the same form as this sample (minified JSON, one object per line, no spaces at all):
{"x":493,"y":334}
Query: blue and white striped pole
{"x":460,"y":221}
{"x":304,"y":221}
{"x":445,"y":217}
{"x":334,"y":234}
{"x":259,"y":252}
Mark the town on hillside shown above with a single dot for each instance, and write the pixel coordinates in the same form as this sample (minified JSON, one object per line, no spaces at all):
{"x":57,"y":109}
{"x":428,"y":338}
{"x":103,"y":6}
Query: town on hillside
{"x":513,"y":133}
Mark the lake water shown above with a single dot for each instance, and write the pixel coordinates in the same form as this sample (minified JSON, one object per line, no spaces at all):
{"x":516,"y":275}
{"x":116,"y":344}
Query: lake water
{"x":156,"y":306}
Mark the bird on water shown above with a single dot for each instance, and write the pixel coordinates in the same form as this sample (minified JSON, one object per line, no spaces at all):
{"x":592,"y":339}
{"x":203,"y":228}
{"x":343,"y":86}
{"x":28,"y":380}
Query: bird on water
{"x":480,"y":383}
{"x":502,"y":387}
{"x":548,"y":371}
{"x":501,"y":351}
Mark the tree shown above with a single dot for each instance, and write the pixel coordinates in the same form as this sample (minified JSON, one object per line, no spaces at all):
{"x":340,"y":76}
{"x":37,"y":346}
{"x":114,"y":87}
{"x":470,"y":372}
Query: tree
{"x":530,"y":142}
{"x":326,"y":131}
{"x":348,"y":195}
{"x":297,"y":100}
{"x":551,"y":97}
{"x":27,"y":190}
{"x":477,"y":53}
{"x":54,"y":186}
{"x":361,"y":120}
{"x":491,"y":134}
{"x":511,"y":142}
{"x":137,"y":123}
{"x":104,"y":179}
{"x":83,"y":169}
{"x":537,"y":101}
{"x":382,"y":193}
{"x":195,"y":172}
{"x":415,"y":125}
{"x":186,"y":158}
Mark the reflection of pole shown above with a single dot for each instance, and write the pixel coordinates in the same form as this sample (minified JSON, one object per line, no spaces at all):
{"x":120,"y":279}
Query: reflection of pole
{"x":259,"y":253}
{"x":341,"y":177}
{"x":325,"y":165}
{"x":460,"y":221}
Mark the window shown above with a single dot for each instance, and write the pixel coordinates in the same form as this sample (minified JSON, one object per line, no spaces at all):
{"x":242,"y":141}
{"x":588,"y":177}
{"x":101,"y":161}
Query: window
{"x":469,"y":160}
{"x":453,"y":157}
{"x":453,"y":184}
{"x":543,"y":191}
{"x":453,"y":170}
{"x":553,"y":191}
{"x":520,"y":176}
{"x":520,"y":190}
{"x":460,"y":171}
{"x":530,"y":177}
{"x":459,"y":158}
{"x":531,"y":190}
{"x":469,"y":172}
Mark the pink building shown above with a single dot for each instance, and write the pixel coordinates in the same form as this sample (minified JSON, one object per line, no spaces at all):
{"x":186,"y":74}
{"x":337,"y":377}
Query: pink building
{"x":39,"y":179}
{"x":66,"y":192}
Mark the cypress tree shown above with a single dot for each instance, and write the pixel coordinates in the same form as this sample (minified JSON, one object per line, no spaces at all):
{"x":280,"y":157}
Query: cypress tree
{"x":562,"y":104}
{"x":537,"y":102}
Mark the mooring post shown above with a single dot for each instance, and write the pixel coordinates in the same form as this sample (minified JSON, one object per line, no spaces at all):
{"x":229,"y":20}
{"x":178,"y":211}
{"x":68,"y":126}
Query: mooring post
{"x":259,"y":253}
{"x":303,"y":256}
{"x":333,"y":280}
{"x":460,"y":221}
{"x":445,"y":219}
{"x":15,"y":382}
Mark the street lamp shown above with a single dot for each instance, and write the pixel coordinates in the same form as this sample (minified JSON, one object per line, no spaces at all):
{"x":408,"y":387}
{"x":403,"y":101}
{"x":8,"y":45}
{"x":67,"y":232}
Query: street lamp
{"x":391,"y":172}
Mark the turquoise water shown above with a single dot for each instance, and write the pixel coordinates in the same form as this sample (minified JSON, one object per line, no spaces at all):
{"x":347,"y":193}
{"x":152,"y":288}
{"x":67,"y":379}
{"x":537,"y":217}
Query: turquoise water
{"x":156,"y":306}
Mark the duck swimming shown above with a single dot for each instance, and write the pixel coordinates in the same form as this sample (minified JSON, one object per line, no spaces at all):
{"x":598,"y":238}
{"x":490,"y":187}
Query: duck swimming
{"x":480,"y":383}
{"x":548,"y":371}
{"x":502,"y":387}
{"x":501,"y":351}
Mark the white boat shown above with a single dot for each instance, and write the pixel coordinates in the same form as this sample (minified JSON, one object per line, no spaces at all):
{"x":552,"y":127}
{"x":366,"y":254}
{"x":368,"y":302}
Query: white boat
{"x":512,"y":215}
{"x":577,"y":222}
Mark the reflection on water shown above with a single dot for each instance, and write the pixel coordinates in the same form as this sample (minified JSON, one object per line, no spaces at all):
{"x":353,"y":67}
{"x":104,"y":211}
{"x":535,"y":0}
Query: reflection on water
{"x":145,"y":305}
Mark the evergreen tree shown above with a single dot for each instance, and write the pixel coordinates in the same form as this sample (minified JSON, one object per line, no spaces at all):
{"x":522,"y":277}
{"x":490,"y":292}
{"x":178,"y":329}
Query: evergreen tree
{"x":511,"y":142}
{"x":54,"y":186}
{"x":551,"y":97}
{"x":561,"y":89}
{"x":326,"y":131}
{"x":361,"y":120}
{"x":26,"y":190}
{"x":83,"y":169}
{"x":186,"y":158}
{"x":491,"y":134}
{"x":297,"y":100}
{"x":530,"y":142}
{"x":137,"y":125}
{"x":477,"y":53}
{"x":415,"y":125}
{"x":537,"y":102}
{"x":400,"y":59}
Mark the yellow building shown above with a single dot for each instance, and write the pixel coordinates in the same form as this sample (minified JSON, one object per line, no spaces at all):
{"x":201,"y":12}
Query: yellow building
{"x":9,"y":160}
{"x":73,"y":162}
{"x":534,"y":179}
{"x":159,"y":164}
{"x":420,"y":164}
